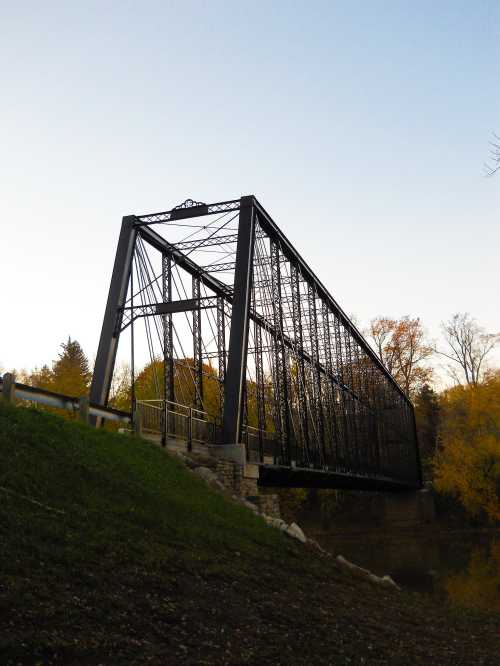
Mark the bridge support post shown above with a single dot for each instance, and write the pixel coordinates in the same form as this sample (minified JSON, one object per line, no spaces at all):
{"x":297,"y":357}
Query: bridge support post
{"x":108,"y":343}
{"x":238,"y":337}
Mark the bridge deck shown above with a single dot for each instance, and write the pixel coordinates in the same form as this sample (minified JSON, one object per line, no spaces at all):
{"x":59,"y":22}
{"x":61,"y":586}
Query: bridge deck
{"x":270,"y":474}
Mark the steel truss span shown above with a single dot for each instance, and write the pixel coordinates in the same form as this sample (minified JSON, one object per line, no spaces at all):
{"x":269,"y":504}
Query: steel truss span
{"x":240,"y":330}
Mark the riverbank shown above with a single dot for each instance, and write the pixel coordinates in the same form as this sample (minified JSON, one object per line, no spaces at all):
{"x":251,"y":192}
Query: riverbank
{"x":114,"y":553}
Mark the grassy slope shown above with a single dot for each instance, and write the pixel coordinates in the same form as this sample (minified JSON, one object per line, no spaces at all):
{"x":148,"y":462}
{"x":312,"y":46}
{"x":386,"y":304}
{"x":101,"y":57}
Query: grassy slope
{"x":112,"y":552}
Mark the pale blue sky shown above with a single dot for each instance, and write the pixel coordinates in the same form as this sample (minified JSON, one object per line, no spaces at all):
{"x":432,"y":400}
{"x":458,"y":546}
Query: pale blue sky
{"x":362,"y":127}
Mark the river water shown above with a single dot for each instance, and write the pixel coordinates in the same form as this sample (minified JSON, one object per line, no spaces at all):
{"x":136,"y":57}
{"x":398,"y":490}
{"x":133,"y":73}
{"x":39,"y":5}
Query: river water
{"x":462,"y":568}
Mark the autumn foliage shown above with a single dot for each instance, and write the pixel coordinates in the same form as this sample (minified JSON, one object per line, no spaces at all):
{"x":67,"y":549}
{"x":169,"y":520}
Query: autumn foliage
{"x":467,"y":464}
{"x":70,"y":373}
{"x":402,"y":347}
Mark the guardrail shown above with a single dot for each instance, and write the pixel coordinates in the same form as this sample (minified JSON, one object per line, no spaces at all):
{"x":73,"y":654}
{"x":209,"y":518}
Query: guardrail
{"x":12,"y":390}
{"x":169,"y":419}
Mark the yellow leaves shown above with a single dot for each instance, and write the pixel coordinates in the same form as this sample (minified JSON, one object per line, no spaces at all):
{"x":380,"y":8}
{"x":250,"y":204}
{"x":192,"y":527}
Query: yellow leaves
{"x":468,"y":464}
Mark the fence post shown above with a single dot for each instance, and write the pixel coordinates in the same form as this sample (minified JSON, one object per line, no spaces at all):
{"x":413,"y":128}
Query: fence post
{"x":137,"y":422}
{"x":9,"y":387}
{"x":83,"y":409}
{"x":190,"y":430}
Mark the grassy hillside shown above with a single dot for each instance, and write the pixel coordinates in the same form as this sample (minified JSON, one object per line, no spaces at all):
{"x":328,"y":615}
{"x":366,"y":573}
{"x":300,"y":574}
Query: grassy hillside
{"x":113,"y":553}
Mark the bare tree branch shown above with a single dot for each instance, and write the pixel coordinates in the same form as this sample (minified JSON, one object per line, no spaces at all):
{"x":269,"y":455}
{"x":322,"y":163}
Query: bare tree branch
{"x":468,"y":346}
{"x":493,"y":165}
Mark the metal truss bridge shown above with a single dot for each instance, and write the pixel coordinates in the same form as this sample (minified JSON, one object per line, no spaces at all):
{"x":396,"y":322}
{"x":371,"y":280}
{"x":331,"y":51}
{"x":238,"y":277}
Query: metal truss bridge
{"x":246,"y":345}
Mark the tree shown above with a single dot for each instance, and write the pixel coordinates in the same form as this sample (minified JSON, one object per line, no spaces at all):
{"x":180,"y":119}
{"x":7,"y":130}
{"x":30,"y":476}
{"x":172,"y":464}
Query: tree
{"x":120,"y":395}
{"x":42,"y":378}
{"x":70,"y":373}
{"x":402,"y":347}
{"x":468,"y":345}
{"x":427,"y":415}
{"x":467,"y":465}
{"x":149,"y":384}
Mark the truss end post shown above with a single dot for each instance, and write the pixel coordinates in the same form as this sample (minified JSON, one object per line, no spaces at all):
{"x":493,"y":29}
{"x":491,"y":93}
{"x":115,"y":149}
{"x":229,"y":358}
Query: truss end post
{"x":238,"y":336}
{"x":110,"y":332}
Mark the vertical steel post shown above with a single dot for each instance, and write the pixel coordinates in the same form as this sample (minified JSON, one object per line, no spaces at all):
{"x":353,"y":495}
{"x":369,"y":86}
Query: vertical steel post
{"x":110,"y":333}
{"x":330,"y":385}
{"x":344,"y":406}
{"x":281,"y":374}
{"x":260,"y":393}
{"x":190,"y":430}
{"x":132,"y":343}
{"x":353,"y":404}
{"x":318,"y":394}
{"x":168,"y":344}
{"x":221,"y":349}
{"x":301,"y":371}
{"x":197,"y":347}
{"x":238,"y":337}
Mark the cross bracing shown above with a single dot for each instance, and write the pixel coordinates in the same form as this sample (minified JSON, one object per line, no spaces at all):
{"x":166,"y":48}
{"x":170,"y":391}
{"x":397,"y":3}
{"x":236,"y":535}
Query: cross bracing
{"x":238,"y":327}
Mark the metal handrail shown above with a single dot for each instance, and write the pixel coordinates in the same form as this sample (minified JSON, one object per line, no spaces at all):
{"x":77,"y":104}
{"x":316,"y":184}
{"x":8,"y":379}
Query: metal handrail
{"x":61,"y":401}
{"x":177,"y":421}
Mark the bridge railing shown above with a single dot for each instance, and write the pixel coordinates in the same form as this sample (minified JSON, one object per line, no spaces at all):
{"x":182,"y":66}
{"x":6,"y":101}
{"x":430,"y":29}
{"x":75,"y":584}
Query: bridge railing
{"x":176,"y":421}
{"x":261,"y":445}
{"x":12,"y":390}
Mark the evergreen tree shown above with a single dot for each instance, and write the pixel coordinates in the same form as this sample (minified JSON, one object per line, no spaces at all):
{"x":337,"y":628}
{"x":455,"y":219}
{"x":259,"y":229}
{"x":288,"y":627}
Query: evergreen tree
{"x":70,"y":373}
{"x":427,"y":415}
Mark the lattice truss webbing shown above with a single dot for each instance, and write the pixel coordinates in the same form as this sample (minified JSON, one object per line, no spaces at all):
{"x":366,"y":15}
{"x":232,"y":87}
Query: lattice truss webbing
{"x":330,"y":404}
{"x":314,"y":396}
{"x":184,"y":352}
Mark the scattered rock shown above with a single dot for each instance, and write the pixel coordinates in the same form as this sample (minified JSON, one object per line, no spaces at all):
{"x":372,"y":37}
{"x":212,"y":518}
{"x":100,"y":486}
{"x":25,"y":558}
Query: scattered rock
{"x":353,"y":569}
{"x":186,"y":460}
{"x":250,"y":506}
{"x":295,"y":532}
{"x":359,"y":572}
{"x":276,"y":522}
{"x":206,"y":474}
{"x":318,"y":547}
{"x":387,"y":581}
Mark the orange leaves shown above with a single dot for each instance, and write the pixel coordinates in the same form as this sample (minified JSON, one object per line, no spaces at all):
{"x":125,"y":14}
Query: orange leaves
{"x":468,"y":463}
{"x":402,"y":347}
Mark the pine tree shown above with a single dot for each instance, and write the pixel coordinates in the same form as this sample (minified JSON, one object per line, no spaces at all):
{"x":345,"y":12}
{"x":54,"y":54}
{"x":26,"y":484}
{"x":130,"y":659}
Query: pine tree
{"x":427,"y":415}
{"x":70,"y":373}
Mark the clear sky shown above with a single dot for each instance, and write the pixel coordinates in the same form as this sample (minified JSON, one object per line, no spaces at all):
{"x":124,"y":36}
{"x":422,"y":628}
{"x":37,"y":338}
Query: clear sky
{"x":362,"y":127}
